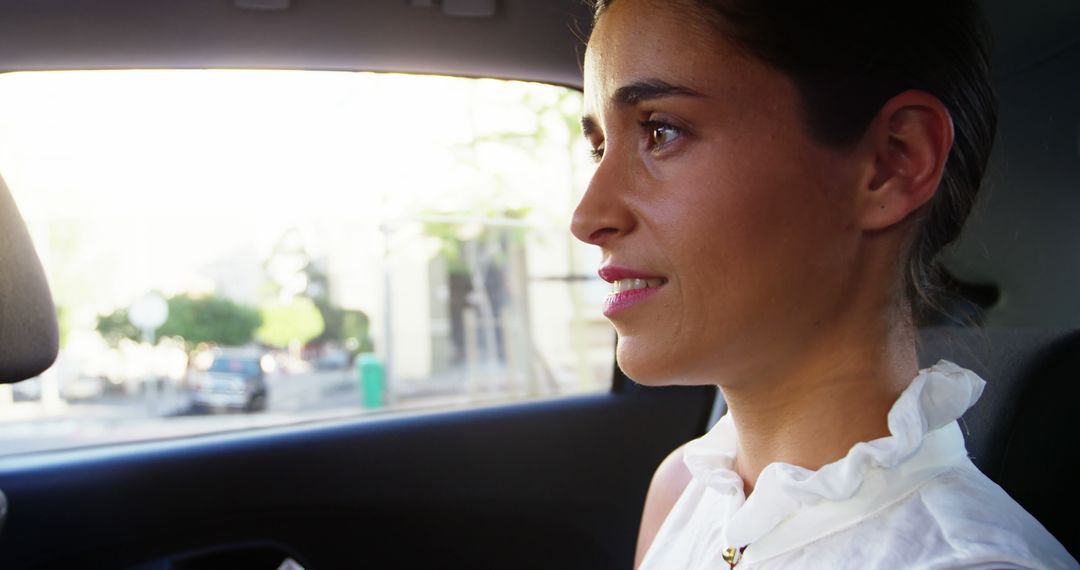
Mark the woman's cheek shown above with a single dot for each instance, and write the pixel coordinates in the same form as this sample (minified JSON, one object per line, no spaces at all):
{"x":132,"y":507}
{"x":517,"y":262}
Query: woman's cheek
{"x":656,"y":169}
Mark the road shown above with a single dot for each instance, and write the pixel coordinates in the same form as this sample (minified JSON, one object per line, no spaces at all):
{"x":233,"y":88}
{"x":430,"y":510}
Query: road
{"x":30,"y":426}
{"x":111,"y":418}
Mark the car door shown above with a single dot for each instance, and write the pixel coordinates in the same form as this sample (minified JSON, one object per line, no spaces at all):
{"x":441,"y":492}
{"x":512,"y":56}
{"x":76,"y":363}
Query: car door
{"x":556,"y":484}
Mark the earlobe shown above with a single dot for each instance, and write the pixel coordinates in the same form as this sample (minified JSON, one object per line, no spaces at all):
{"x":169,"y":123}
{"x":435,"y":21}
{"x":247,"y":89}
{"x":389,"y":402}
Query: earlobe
{"x":909,"y":140}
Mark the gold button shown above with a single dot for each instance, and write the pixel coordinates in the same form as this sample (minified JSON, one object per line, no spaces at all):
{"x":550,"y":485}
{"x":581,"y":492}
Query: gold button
{"x":732,"y":555}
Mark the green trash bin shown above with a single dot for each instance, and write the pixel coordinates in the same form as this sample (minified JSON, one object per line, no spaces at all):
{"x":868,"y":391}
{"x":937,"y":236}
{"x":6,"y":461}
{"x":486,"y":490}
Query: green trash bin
{"x":372,"y":383}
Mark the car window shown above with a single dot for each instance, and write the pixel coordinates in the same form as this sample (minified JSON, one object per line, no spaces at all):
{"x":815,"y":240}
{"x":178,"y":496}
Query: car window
{"x":369,"y":243}
{"x":246,"y":367}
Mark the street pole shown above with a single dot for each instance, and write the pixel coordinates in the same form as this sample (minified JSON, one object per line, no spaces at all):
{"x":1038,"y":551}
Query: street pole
{"x":388,"y":344}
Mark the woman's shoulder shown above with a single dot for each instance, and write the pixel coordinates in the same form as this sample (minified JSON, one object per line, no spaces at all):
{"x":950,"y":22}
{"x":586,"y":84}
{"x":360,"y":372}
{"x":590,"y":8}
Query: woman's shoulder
{"x":957,"y":519}
{"x":978,"y":518}
{"x":668,"y":483}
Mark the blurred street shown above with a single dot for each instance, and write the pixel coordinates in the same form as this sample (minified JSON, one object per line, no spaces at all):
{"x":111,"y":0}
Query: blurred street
{"x":28,"y":426}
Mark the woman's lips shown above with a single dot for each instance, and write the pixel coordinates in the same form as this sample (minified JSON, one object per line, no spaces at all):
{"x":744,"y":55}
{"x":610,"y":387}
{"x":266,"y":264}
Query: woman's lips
{"x":629,"y":287}
{"x":618,"y":302}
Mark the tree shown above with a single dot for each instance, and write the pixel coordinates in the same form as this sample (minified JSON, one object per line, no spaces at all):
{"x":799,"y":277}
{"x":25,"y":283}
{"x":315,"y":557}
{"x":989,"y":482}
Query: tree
{"x":63,"y":323}
{"x":116,"y":326}
{"x":348,"y":327}
{"x":213,"y":319}
{"x":293,"y":273}
{"x":354,"y":331}
{"x":284,"y":324}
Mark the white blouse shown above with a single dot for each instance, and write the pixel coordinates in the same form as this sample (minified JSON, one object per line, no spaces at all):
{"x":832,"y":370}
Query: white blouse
{"x":909,"y":500}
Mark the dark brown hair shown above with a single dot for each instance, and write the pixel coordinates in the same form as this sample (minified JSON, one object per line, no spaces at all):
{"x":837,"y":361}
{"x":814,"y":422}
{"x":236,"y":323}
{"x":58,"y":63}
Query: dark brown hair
{"x":848,"y":57}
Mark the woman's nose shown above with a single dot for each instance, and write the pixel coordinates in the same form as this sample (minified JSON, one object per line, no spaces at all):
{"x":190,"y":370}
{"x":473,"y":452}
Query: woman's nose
{"x":602,"y":213}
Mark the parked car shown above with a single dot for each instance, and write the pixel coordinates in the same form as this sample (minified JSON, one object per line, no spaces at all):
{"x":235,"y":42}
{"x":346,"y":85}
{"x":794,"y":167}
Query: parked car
{"x":235,"y":380}
{"x":333,"y":359}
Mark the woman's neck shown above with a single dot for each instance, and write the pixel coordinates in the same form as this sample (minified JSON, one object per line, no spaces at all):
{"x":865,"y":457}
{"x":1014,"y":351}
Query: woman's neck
{"x":815,"y":408}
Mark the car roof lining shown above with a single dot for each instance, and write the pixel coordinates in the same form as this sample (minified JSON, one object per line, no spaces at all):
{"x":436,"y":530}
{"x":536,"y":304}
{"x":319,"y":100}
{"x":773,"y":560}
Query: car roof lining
{"x":540,"y":40}
{"x":526,"y":40}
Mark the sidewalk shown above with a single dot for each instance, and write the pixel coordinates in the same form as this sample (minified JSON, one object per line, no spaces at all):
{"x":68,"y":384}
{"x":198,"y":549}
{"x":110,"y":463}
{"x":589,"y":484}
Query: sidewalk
{"x":115,"y":407}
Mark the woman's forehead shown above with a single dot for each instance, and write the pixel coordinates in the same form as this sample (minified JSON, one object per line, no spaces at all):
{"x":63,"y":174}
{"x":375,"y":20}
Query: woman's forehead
{"x":644,"y":32}
{"x":639,"y":41}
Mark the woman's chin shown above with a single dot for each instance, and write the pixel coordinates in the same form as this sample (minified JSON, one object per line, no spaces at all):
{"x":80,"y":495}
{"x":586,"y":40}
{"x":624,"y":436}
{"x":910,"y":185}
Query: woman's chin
{"x":652,"y":361}
{"x":644,"y":364}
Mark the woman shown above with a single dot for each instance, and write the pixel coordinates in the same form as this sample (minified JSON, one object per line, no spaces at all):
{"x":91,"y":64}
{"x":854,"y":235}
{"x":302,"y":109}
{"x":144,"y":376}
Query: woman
{"x":773,"y":179}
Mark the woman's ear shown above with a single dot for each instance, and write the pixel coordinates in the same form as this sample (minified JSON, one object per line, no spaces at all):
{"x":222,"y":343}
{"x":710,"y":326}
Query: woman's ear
{"x":909,"y":140}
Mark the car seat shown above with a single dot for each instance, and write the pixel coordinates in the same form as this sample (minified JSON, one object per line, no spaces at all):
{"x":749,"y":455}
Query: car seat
{"x":29,"y":337}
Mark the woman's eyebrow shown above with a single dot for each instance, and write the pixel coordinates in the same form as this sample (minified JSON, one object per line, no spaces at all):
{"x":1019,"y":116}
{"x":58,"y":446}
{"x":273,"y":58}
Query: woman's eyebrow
{"x":636,"y":92}
{"x":648,"y":89}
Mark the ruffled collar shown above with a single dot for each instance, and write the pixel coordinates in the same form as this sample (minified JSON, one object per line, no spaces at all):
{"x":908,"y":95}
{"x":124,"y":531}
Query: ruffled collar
{"x":935,"y":398}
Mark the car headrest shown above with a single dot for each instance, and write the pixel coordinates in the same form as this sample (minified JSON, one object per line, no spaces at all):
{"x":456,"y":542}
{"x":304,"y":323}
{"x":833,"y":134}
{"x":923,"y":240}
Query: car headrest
{"x":1022,"y":431}
{"x":29,"y":337}
{"x":1015,"y":362}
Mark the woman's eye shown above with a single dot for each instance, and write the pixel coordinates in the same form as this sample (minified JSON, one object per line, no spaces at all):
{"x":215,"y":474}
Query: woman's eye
{"x":661,"y":135}
{"x":597,"y":153}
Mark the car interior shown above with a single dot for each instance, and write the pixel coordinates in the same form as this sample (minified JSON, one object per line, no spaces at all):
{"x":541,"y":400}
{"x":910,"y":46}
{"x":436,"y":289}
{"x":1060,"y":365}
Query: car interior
{"x":556,"y":483}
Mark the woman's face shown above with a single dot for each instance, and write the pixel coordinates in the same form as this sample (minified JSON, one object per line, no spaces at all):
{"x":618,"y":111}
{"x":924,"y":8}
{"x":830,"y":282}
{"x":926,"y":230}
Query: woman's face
{"x":710,"y":193}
